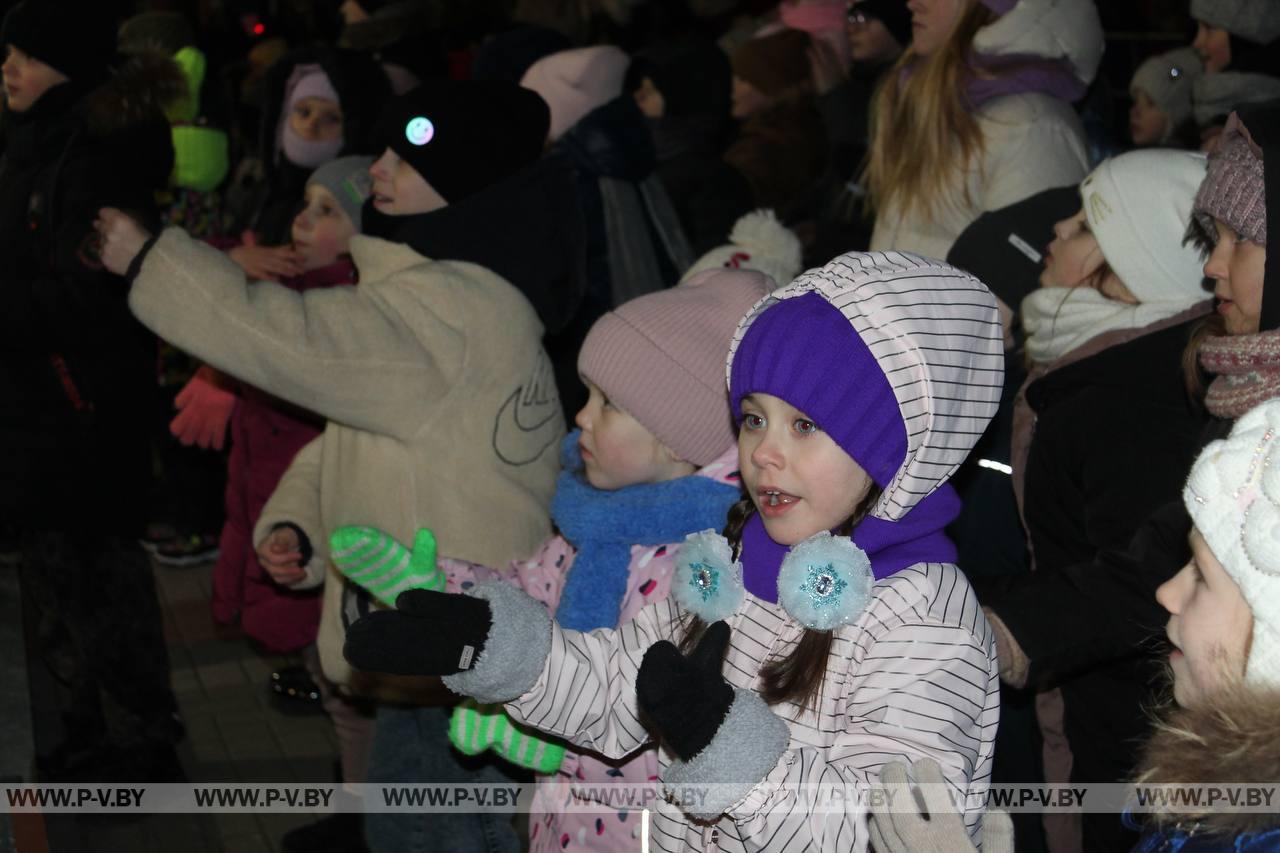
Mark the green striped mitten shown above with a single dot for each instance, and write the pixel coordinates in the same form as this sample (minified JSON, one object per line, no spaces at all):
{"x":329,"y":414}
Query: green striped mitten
{"x":383,"y":566}
{"x":475,"y":728}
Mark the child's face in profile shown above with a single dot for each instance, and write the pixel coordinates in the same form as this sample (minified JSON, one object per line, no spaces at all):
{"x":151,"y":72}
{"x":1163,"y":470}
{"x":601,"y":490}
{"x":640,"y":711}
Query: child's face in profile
{"x":1074,"y":258}
{"x":617,"y":451}
{"x":1210,"y":624}
{"x":316,"y":119}
{"x":1214,"y":46}
{"x":800,"y":480}
{"x":1147,"y":122}
{"x":400,"y":190}
{"x":322,"y":232}
{"x":26,"y":79}
{"x":1238,"y":269}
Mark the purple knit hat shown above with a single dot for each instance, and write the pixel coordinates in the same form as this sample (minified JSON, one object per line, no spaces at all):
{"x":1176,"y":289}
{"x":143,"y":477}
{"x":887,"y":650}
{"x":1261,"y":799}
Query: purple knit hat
{"x":1000,"y":7}
{"x":828,"y":372}
{"x":1234,"y":190}
{"x":660,"y":358}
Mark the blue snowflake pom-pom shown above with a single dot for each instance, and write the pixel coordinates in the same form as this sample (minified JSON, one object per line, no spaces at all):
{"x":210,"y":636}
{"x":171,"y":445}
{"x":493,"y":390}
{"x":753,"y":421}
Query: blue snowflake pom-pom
{"x":825,"y":581}
{"x":707,"y":581}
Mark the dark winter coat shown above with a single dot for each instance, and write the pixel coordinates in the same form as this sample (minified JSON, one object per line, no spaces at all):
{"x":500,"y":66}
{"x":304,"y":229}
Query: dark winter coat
{"x":689,"y":138}
{"x":1114,"y":434}
{"x":780,"y":152}
{"x":622,"y":200}
{"x":266,"y":433}
{"x":634,"y":243}
{"x":76,"y":370}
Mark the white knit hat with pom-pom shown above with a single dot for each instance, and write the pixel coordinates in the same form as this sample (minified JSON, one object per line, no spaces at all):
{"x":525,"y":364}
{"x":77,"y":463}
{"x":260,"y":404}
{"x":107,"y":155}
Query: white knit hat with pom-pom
{"x":1233,"y":496}
{"x":758,"y":241}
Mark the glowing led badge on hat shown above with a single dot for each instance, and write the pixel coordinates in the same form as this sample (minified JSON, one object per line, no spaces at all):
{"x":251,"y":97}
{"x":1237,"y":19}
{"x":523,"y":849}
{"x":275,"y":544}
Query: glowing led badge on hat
{"x":419,"y":130}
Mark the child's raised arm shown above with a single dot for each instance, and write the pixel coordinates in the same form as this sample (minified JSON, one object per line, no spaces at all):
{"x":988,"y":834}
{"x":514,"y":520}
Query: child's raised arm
{"x":376,"y":358}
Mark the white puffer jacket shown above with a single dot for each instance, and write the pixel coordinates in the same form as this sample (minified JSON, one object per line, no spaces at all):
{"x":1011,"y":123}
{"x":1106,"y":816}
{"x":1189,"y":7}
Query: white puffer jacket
{"x":1031,"y":141}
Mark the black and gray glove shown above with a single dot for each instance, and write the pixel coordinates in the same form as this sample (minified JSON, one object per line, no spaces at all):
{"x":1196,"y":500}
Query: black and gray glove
{"x":686,"y":698}
{"x":429,"y":633}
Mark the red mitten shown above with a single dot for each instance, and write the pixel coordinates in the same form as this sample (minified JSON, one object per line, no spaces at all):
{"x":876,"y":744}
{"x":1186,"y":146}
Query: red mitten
{"x":204,"y":410}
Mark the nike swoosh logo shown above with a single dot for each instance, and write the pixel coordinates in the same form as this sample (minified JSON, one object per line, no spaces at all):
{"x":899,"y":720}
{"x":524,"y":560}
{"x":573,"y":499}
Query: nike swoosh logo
{"x":530,"y":420}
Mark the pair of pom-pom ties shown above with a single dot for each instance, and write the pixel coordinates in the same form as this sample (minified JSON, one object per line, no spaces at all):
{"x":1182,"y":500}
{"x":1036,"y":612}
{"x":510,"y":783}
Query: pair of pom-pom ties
{"x":824,"y":582}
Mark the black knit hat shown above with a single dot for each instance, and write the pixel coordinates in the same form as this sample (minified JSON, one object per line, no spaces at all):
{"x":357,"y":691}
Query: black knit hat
{"x":894,"y":14}
{"x":462,"y":136}
{"x":78,"y":39}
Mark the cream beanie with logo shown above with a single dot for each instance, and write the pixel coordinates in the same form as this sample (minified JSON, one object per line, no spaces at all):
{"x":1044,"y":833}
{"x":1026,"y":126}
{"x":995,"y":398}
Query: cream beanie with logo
{"x":1138,"y":205}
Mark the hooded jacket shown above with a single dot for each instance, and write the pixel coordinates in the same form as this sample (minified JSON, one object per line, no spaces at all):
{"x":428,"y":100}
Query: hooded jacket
{"x":878,"y":704}
{"x":76,"y":370}
{"x":1031,"y":141}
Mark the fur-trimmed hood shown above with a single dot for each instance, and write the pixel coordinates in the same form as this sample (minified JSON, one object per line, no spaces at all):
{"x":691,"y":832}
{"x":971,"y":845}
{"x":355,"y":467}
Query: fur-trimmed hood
{"x":1233,"y":738}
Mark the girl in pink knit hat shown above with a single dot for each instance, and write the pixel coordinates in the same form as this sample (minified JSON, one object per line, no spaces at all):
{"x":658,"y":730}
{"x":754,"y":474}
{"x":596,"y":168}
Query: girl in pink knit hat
{"x":654,"y":459}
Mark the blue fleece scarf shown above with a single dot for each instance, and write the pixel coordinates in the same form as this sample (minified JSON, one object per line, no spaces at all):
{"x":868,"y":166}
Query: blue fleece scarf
{"x":603,"y":526}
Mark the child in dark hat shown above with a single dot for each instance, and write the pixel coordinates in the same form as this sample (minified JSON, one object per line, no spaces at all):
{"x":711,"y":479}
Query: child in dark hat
{"x":82,"y":131}
{"x":442,"y":406}
{"x":781,"y":146}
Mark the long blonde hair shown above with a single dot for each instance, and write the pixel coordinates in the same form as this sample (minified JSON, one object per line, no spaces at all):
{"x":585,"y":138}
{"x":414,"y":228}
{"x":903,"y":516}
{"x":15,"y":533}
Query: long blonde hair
{"x":924,"y":133}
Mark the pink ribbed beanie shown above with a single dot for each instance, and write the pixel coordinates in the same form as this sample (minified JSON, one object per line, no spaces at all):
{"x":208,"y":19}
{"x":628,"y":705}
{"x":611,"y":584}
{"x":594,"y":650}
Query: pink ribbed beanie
{"x":660,"y":358}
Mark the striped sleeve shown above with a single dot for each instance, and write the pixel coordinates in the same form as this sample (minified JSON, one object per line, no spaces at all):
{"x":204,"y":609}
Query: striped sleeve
{"x":925,"y":685}
{"x":586,"y":693}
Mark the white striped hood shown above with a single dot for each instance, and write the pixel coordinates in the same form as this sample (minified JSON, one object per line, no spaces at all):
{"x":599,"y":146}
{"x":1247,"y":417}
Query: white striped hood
{"x":935,"y":332}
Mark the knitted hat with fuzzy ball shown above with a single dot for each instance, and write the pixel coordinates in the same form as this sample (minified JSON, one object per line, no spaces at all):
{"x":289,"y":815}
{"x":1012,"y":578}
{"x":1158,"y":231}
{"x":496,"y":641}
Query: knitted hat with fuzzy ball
{"x":1233,"y":496}
{"x":758,"y":241}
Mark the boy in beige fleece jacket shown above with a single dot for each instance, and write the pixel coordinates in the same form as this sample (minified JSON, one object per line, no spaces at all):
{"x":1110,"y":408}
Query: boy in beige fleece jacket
{"x":442,"y":408}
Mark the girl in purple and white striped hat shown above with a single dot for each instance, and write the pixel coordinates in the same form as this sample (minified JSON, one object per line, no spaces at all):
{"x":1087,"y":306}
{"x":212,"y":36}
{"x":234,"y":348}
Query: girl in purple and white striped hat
{"x":828,"y":631}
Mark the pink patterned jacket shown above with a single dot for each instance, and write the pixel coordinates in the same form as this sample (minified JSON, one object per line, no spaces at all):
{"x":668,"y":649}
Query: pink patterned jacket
{"x":543,"y":576}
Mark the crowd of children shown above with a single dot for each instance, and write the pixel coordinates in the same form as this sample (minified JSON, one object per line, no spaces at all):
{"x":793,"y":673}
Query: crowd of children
{"x":986,"y":495}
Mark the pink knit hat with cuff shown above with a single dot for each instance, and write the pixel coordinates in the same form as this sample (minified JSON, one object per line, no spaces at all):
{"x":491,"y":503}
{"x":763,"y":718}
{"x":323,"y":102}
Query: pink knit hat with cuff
{"x":660,"y":358}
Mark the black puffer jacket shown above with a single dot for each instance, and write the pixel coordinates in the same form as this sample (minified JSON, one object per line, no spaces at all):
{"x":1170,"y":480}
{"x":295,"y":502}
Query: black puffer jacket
{"x":76,"y":370}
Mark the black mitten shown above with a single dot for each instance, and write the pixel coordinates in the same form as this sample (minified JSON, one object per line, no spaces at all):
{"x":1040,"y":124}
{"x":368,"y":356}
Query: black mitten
{"x":429,"y":633}
{"x":686,"y":699}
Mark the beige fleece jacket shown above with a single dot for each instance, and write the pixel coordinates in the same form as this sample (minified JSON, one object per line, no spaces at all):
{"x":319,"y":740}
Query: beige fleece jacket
{"x":443,"y":410}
